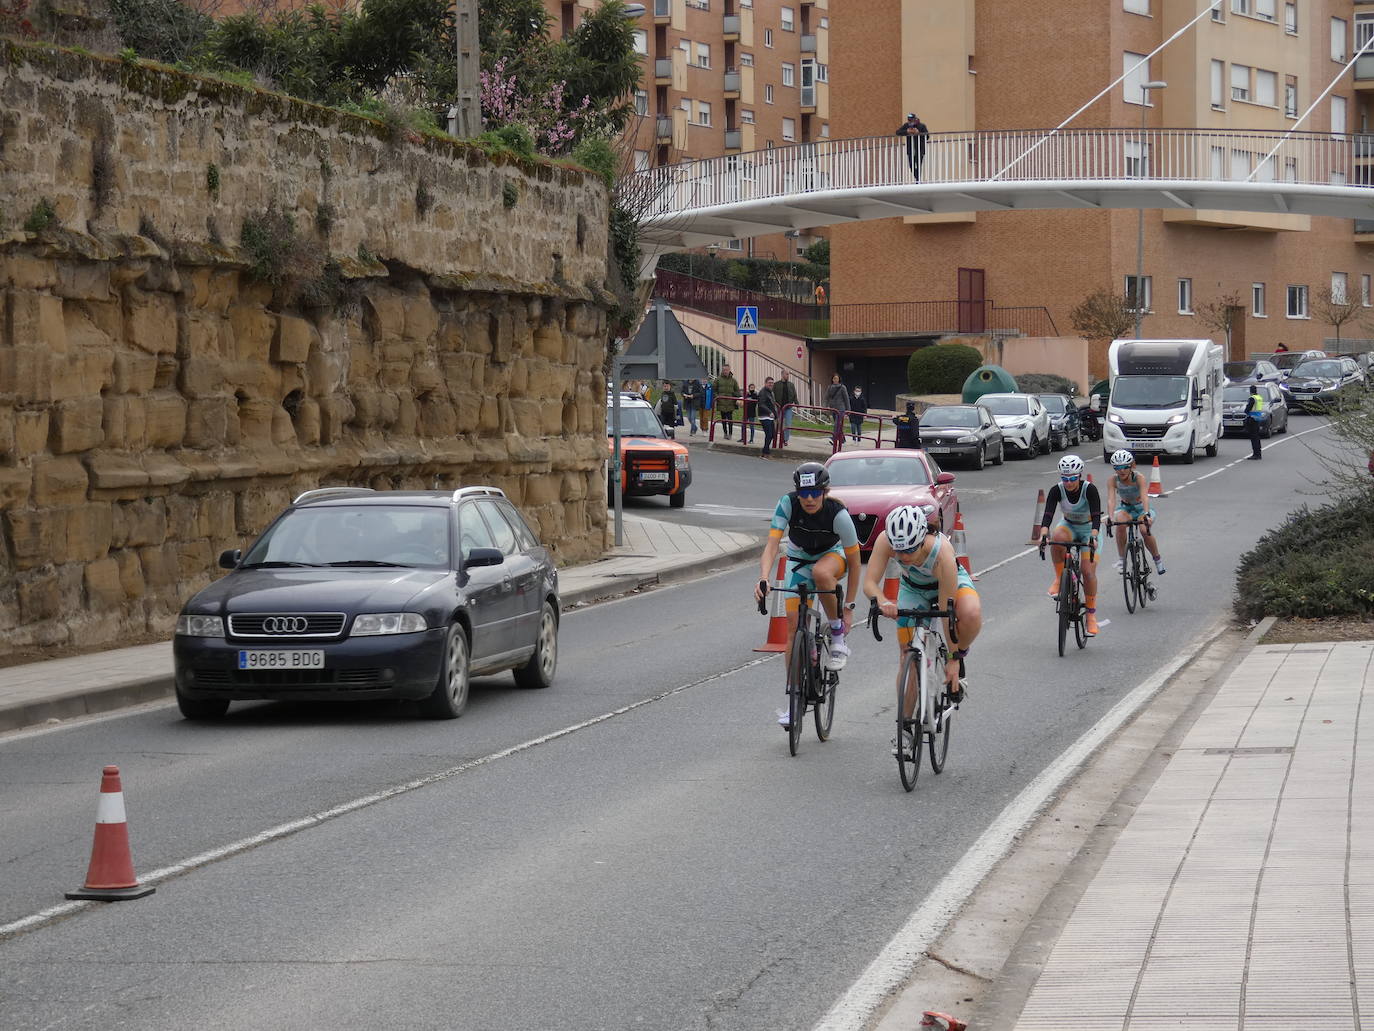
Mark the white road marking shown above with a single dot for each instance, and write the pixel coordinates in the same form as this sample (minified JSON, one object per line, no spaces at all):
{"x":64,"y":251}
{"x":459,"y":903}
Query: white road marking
{"x":899,"y":957}
{"x":52,"y":913}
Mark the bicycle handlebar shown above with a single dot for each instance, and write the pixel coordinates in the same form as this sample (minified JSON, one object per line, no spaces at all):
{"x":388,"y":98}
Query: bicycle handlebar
{"x":1080,"y":545}
{"x":947,"y":613}
{"x":803,"y":591}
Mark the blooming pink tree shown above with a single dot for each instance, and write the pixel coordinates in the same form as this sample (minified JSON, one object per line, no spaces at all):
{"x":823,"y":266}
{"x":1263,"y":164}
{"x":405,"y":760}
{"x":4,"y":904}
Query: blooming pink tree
{"x":554,"y":123}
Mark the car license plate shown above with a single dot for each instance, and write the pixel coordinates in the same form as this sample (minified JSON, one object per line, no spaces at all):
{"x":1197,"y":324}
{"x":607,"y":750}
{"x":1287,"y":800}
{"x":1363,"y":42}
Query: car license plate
{"x":1303,"y":397}
{"x":934,"y":450}
{"x":1142,"y":445}
{"x":1233,"y":420}
{"x":281,"y":660}
{"x":661,"y":477}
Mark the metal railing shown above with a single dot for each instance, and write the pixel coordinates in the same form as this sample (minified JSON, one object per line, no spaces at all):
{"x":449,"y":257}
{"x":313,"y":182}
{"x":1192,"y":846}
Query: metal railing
{"x":1010,"y":156}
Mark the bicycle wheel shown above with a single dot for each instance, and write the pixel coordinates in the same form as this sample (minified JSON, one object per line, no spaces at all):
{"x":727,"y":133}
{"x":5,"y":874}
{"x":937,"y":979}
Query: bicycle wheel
{"x":908,"y":754}
{"x":1080,"y":623}
{"x":1065,"y":605}
{"x":1128,"y":576}
{"x":943,"y":710}
{"x":1142,"y":579}
{"x":799,"y":682}
{"x":825,"y":703}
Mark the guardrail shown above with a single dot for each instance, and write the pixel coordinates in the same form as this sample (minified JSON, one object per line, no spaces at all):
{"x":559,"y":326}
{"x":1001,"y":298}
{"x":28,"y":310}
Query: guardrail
{"x":822,"y":423}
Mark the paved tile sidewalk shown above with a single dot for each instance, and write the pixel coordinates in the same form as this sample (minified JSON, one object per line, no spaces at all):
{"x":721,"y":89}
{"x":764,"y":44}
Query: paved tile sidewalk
{"x":1240,"y":895}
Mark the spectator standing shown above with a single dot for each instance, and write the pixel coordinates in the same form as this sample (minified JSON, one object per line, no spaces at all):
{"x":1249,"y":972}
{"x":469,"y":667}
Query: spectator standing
{"x":837,"y":400}
{"x":1254,"y":415}
{"x":667,"y":408}
{"x":819,"y":294}
{"x":768,"y":415}
{"x":858,"y":408}
{"x":726,"y":390}
{"x":691,"y":401}
{"x":785,"y":394}
{"x":1282,"y":348}
{"x":751,"y":404}
{"x":915,"y":132}
{"x":908,"y":427}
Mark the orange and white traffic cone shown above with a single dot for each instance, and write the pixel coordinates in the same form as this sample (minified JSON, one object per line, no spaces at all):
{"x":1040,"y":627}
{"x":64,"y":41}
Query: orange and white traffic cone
{"x":943,"y":1021}
{"x":1035,"y":521}
{"x":961,"y":545}
{"x":1156,"y":488}
{"x":110,"y":877}
{"x":777,"y":613}
{"x":892,"y":580}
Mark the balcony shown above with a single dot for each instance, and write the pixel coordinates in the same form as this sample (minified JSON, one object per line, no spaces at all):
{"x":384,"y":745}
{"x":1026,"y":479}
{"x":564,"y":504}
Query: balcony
{"x":734,"y":141}
{"x":1364,"y":72}
{"x":808,"y":100}
{"x":663,"y":71}
{"x":1364,"y":230}
{"x":729,"y":28}
{"x":808,"y":43}
{"x":663,"y":129}
{"x":732,"y":83}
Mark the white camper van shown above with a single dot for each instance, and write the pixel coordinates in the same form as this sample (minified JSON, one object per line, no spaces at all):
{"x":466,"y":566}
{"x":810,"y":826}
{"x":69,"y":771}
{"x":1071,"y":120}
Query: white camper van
{"x":1165,"y":398}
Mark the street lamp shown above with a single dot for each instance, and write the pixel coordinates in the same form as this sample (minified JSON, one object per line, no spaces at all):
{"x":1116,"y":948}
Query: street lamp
{"x":1145,"y":88}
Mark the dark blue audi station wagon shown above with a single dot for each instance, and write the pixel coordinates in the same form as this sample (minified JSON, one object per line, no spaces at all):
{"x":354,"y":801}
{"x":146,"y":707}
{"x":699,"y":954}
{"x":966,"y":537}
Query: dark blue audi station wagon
{"x":353,"y":593}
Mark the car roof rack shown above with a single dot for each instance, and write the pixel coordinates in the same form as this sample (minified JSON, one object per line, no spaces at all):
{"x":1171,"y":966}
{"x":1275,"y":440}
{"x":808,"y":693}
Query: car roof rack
{"x":331,"y":492}
{"x":478,"y":492}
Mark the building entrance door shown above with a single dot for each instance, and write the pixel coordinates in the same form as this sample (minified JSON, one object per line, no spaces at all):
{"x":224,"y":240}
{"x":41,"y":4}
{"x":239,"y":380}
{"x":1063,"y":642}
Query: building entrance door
{"x":972,"y":301}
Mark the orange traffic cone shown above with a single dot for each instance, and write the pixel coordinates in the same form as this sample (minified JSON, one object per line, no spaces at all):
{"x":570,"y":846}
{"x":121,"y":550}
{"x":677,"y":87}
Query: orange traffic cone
{"x":111,"y":874}
{"x":961,"y":545}
{"x":892,"y":580}
{"x":943,"y":1021}
{"x":1156,"y":488}
{"x":1035,"y":520}
{"x":777,"y":613}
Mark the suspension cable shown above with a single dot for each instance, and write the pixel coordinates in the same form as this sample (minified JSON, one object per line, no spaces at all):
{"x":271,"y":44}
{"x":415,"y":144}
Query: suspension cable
{"x":1111,"y":86}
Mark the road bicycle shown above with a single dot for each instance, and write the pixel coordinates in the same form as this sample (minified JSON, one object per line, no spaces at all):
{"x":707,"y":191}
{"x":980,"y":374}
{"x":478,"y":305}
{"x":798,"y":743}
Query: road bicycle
{"x":1135,"y":567}
{"x":1071,"y":605}
{"x":921,"y":680}
{"x":809,"y":684}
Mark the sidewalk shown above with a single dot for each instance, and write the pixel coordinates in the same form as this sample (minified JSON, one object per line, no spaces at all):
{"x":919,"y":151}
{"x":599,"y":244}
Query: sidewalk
{"x":654,"y":552}
{"x":1240,"y":893}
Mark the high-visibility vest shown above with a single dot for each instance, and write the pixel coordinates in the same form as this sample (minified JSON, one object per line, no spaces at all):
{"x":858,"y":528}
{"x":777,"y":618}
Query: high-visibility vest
{"x":1258,"y":409}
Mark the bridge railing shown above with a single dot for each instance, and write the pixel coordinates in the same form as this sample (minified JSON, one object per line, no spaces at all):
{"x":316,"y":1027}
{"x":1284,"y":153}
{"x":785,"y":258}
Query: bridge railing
{"x":1010,"y":155}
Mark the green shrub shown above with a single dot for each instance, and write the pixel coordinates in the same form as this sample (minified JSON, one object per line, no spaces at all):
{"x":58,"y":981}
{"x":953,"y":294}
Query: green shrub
{"x":941,"y":369}
{"x":1046,"y":383}
{"x":598,"y":156}
{"x":41,"y":217}
{"x":514,"y":138}
{"x":1316,"y":563}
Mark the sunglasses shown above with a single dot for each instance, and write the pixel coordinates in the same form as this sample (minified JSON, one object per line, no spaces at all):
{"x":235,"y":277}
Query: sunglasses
{"x":810,"y":493}
{"x":1070,"y":479}
{"x":1121,"y":468}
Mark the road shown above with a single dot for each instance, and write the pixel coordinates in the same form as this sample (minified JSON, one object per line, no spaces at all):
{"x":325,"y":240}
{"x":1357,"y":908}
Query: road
{"x":632,"y":848}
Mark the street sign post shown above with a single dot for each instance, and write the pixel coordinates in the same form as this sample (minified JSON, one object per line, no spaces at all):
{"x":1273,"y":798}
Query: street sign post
{"x":746,"y":325}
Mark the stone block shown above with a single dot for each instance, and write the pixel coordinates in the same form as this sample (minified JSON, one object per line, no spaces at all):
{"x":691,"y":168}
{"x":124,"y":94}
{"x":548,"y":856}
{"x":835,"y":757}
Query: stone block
{"x":207,"y":423}
{"x":255,"y":421}
{"x":41,"y":599}
{"x":83,"y":331}
{"x":87,"y":531}
{"x":30,"y":535}
{"x":307,"y":423}
{"x":143,"y":522}
{"x":253,"y":332}
{"x":548,"y":343}
{"x":425,"y":377}
{"x":335,"y":415}
{"x":150,"y":322}
{"x":59,"y":481}
{"x":35,"y":320}
{"x":204,"y":337}
{"x":464,"y":371}
{"x":7,"y":450}
{"x":134,"y":373}
{"x":519,"y":382}
{"x":501,"y":333}
{"x":81,"y":375}
{"x":193,"y":558}
{"x":489,"y":421}
{"x":294,"y":337}
{"x":30,"y":432}
{"x":201,"y":377}
{"x":529,"y":417}
{"x":166,"y":420}
{"x":384,"y":313}
{"x":585,"y":320}
{"x":438,"y":418}
{"x":283,"y":427}
{"x":551,"y":418}
{"x":115,"y":472}
{"x":83,"y":281}
{"x":78,"y":426}
{"x":159,"y":566}
{"x":104,"y":588}
{"x":543,"y":489}
{"x":421,"y":320}
{"x":164,"y":470}
{"x":25,"y":272}
{"x":130,"y":574}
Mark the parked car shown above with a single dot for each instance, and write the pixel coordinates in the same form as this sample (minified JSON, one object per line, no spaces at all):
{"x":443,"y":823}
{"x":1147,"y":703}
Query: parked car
{"x":1321,"y":383}
{"x":1255,"y":370}
{"x":1025,"y":423}
{"x":1065,"y":430}
{"x":966,"y":432}
{"x":650,"y":462}
{"x":872,"y":483}
{"x":1287,"y":361}
{"x":1234,"y":397}
{"x":352,"y":593}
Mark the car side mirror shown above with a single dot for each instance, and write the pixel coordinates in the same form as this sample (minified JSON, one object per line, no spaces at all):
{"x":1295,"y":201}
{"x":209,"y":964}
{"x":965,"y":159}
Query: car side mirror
{"x":484,"y":557}
{"x":942,"y":478}
{"x":230,"y":559}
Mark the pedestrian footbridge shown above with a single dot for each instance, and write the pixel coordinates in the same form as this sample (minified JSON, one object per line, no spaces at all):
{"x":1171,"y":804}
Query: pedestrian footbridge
{"x":827,"y":182}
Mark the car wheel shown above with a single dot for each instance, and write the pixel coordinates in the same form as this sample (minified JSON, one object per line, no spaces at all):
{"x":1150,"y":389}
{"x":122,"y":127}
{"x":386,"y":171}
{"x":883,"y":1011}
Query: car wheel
{"x":677,"y":500}
{"x":1047,"y":445}
{"x":1107,"y":457}
{"x":981,"y":459}
{"x":1190,"y":455}
{"x":450,"y":695}
{"x":1267,"y":430}
{"x":1284,"y":427}
{"x":538,"y":672}
{"x":1211,"y":448}
{"x":1034,"y":448}
{"x":1001,"y":453}
{"x":202,"y":708}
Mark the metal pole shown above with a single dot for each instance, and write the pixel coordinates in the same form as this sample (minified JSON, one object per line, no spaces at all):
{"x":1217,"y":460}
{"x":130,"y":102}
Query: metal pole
{"x":660,"y":328}
{"x":617,"y":364}
{"x":1140,"y":224}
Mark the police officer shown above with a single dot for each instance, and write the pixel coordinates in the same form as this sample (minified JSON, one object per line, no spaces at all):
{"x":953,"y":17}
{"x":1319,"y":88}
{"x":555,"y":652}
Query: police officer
{"x":1254,"y":415}
{"x":908,"y":427}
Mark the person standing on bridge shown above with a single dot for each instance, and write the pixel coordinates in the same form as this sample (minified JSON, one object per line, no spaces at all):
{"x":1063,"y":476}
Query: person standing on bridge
{"x":915,"y":132}
{"x":726,"y":391}
{"x":837,"y":400}
{"x":785,"y":394}
{"x":768,"y":414}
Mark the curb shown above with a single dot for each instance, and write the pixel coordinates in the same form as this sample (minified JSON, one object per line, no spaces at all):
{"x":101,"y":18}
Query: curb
{"x":89,"y":702}
{"x":622,"y":586}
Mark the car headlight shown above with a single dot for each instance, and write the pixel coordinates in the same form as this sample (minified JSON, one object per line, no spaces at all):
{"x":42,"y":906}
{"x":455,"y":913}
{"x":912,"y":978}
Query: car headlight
{"x":1113,"y":417}
{"x":373,"y":624}
{"x":190,"y":625}
{"x":967,"y":438}
{"x":682,"y":462}
{"x":1174,"y":420}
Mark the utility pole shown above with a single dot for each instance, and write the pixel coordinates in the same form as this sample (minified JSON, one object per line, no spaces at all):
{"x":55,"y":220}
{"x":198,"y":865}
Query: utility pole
{"x":465,"y":116}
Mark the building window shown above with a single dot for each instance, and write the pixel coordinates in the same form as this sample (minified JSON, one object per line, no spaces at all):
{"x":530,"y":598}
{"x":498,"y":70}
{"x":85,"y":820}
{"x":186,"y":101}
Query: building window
{"x":789,"y":19}
{"x":1144,"y":294}
{"x":1240,"y":82}
{"x":1266,"y":9}
{"x":768,"y":38}
{"x":1240,"y":6}
{"x":789,"y":74}
{"x":641,"y":161}
{"x":1136,"y":6}
{"x":703,"y":55}
{"x":641,"y":102}
{"x":789,"y":129}
{"x":1257,"y":300}
{"x":768,"y":94}
{"x":1185,"y":297}
{"x":1290,"y":99}
{"x":1338,"y":40}
{"x":1297,"y":302}
{"x":641,"y":41}
{"x":1290,"y":19}
{"x":1338,"y":109}
{"x":1137,"y":159}
{"x":825,"y":130}
{"x":1365,"y":290}
{"x":1266,"y":88}
{"x":732,"y":245}
{"x":1217,"y":14}
{"x":703,"y":113}
{"x":746,"y":60}
{"x":1340,"y":287}
{"x":822,"y":72}
{"x":1364,"y":28}
{"x":746,"y":117}
{"x":1218,"y":85}
{"x":1137,"y":74}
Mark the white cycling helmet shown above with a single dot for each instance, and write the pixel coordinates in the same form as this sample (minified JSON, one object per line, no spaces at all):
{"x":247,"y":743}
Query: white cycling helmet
{"x":906,"y":527}
{"x":1122,"y":457}
{"x":1071,"y":465}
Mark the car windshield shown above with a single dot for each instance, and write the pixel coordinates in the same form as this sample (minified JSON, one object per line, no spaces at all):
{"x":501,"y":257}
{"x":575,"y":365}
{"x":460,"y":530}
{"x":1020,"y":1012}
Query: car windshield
{"x":355,"y":535}
{"x":1006,"y":405}
{"x":1289,"y":361}
{"x":1239,"y":370}
{"x":1322,"y":370}
{"x":935,"y":417}
{"x":1150,"y":392}
{"x":1057,"y":404}
{"x":878,"y":471}
{"x":636,"y":422}
{"x":1235,"y":392}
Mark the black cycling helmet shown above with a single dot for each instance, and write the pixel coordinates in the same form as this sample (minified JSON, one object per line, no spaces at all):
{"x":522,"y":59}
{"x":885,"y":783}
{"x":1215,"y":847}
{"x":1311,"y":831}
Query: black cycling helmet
{"x":811,"y":474}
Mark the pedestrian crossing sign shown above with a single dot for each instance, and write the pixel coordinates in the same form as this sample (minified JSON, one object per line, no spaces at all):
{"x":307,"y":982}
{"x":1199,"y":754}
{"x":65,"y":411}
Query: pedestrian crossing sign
{"x":746,"y":319}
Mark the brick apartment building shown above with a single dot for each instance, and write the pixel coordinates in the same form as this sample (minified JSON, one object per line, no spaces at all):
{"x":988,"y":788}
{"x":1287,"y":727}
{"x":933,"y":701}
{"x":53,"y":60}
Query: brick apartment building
{"x":726,"y":77}
{"x":987,"y":65}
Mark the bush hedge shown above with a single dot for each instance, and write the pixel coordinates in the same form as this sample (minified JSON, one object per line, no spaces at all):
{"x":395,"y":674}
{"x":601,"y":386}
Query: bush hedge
{"x":1046,"y":383}
{"x":941,"y":368}
{"x":1318,"y":562}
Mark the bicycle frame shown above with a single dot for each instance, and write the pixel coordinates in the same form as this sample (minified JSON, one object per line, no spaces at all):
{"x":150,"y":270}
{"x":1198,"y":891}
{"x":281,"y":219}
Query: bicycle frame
{"x":1071,"y":610}
{"x":809,"y":685}
{"x":1135,"y":569}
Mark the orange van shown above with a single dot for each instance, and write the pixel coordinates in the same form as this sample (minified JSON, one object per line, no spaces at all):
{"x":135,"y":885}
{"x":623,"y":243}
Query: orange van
{"x":650,"y":461}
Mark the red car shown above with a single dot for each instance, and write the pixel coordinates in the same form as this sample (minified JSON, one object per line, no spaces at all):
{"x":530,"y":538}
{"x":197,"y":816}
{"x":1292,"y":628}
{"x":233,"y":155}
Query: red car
{"x":872,"y":483}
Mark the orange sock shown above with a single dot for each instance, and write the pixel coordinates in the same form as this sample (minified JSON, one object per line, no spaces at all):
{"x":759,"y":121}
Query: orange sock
{"x":1092,"y":603}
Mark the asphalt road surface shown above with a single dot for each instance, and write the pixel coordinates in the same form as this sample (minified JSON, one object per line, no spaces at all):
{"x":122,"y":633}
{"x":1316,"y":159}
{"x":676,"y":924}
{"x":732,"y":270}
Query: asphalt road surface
{"x":632,"y":848}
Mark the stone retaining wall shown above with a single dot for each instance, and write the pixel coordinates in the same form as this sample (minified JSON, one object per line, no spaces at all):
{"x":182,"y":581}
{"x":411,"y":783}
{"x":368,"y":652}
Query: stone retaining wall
{"x":160,"y":402}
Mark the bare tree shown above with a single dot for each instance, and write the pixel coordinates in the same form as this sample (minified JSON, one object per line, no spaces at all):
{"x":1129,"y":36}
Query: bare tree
{"x":1102,"y":315}
{"x":1222,"y":315}
{"x":1335,"y":310}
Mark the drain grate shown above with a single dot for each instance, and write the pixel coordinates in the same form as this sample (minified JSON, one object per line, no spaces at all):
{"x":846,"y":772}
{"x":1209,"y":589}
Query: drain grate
{"x":1256,"y":750}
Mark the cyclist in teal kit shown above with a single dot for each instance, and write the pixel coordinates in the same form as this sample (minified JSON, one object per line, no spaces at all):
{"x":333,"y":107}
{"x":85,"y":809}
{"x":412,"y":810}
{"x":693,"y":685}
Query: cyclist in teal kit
{"x":1080,"y":510}
{"x":1128,"y":498}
